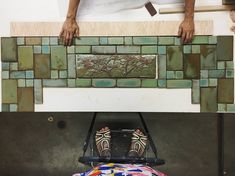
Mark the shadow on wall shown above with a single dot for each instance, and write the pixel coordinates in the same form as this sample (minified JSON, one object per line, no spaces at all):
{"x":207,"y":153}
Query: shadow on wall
{"x":103,"y":7}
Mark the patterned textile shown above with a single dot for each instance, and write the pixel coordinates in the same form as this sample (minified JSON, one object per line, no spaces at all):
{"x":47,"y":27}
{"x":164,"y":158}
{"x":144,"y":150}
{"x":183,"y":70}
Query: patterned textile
{"x":112,"y":169}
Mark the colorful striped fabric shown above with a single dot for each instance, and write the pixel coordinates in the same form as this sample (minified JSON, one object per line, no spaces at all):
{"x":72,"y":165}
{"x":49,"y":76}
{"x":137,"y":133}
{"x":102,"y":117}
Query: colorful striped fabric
{"x":113,"y":169}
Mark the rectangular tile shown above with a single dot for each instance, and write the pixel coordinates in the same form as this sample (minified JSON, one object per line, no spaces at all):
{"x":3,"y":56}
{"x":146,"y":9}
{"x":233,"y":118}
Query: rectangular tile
{"x":208,"y":57}
{"x":128,"y":49}
{"x":162,"y":66}
{"x":55,"y":82}
{"x":191,"y":66}
{"x":103,"y":82}
{"x":25,"y":57}
{"x":128,"y":40}
{"x":42,"y":66}
{"x":83,"y":82}
{"x":8,"y":49}
{"x":25,"y":99}
{"x":83,"y":49}
{"x":174,"y":58}
{"x":71,"y":66}
{"x":231,"y":108}
{"x":149,"y":49}
{"x":145,"y":40}
{"x":195,"y":92}
{"x":166,"y":40}
{"x":106,"y":66}
{"x":115,"y":40}
{"x":17,"y":74}
{"x":9,"y":91}
{"x":33,"y":40}
{"x":149,"y":83}
{"x":208,"y":99}
{"x":225,"y":90}
{"x":200,"y":40}
{"x":58,"y":57}
{"x":179,"y":83}
{"x":225,"y":47}
{"x":103,"y":49}
{"x":128,"y":83}
{"x":87,"y":41}
{"x":216,"y":73}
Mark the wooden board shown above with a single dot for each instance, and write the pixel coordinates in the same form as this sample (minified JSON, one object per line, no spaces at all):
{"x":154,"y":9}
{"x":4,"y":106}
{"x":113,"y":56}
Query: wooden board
{"x":147,"y":28}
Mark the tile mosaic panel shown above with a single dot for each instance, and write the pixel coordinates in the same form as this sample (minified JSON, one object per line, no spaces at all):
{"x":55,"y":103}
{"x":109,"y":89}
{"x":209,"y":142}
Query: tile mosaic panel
{"x":205,"y":66}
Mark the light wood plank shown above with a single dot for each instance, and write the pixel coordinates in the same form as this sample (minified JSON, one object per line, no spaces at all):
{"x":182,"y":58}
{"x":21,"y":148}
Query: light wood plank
{"x":147,"y":28}
{"x":211,"y":8}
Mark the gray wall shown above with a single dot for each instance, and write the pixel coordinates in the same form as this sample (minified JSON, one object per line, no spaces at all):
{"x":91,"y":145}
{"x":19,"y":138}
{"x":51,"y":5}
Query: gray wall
{"x":31,"y":145}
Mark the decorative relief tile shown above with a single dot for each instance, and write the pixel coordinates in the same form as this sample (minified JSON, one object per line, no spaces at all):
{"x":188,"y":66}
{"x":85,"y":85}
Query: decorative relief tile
{"x":58,"y":57}
{"x":104,"y":66}
{"x":174,"y":58}
{"x":208,"y":57}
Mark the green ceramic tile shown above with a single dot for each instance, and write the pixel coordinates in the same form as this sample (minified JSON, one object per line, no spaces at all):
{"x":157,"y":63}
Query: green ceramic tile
{"x":161,"y":83}
{"x":25,"y":99}
{"x":71,"y":49}
{"x":208,"y":57}
{"x":116,"y":66}
{"x":212,"y":82}
{"x":220,"y":65}
{"x":8,"y":49}
{"x":208,"y":101}
{"x":14,"y":66}
{"x":212,"y":40}
{"x":29,"y":74}
{"x":229,"y":64}
{"x":21,"y":83}
{"x":87,"y":41}
{"x":38,"y":92}
{"x":54,"y":74}
{"x":174,"y":58}
{"x":45,"y":41}
{"x":177,"y":41}
{"x":20,"y":41}
{"x":83,"y":82}
{"x":115,"y":40}
{"x":222,"y":107}
{"x":103,"y":40}
{"x":149,"y":83}
{"x":187,"y":49}
{"x":37,"y":49}
{"x":46,"y":49}
{"x":103,"y":49}
{"x":13,"y":107}
{"x":9,"y":91}
{"x":42,"y":66}
{"x":103,"y":82}
{"x":71,"y":82}
{"x":71,"y":66}
{"x":224,"y":48}
{"x":229,"y":73}
{"x":145,"y":40}
{"x":191,"y":66}
{"x":225,"y":90}
{"x":63,"y":74}
{"x":204,"y":82}
{"x":128,"y":83}
{"x":179,"y":83}
{"x":5,"y":74}
{"x":33,"y":40}
{"x":25,"y":57}
{"x":58,"y":57}
{"x":195,"y":91}
{"x":5,"y":66}
{"x":166,"y":40}
{"x":149,"y":49}
{"x":128,"y":49}
{"x":161,"y":49}
{"x":179,"y":74}
{"x":200,"y":40}
{"x":196,"y":49}
{"x":128,"y":40}
{"x":54,"y":82}
{"x":216,"y":73}
{"x":53,"y":40}
{"x":162,"y":66}
{"x":17,"y":74}
{"x":83,"y":49}
{"x":230,"y":107}
{"x":5,"y":107}
{"x":170,"y":75}
{"x":29,"y":82}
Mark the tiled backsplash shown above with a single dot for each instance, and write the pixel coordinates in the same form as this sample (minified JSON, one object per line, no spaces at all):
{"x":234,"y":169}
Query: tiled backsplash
{"x":205,"y":66}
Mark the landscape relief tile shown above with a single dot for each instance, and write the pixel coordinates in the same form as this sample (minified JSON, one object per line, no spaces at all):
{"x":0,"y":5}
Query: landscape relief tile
{"x":121,"y":66}
{"x":8,"y":49}
{"x":208,"y":57}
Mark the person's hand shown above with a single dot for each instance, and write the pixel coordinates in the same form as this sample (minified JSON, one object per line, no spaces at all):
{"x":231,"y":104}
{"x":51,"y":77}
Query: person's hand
{"x":186,"y":30}
{"x":70,"y":28}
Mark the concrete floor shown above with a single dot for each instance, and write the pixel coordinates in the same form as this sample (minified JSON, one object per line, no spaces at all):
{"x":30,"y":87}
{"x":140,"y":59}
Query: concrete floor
{"x":31,"y":145}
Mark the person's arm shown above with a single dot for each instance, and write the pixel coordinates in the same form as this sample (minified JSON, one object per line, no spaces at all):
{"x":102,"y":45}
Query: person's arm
{"x":70,"y":26}
{"x":186,"y":28}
